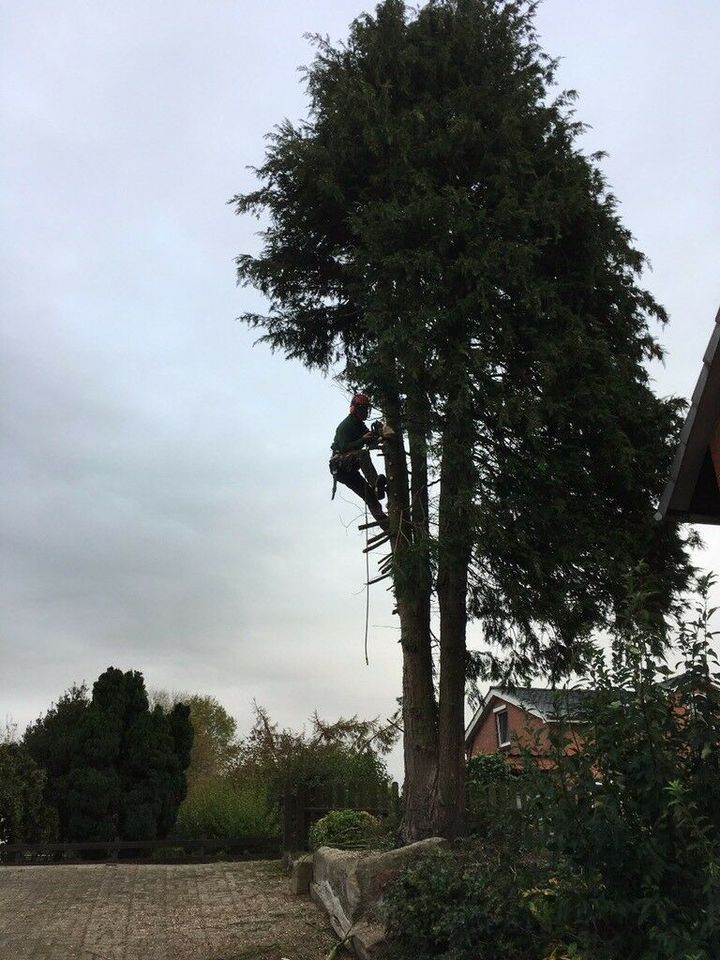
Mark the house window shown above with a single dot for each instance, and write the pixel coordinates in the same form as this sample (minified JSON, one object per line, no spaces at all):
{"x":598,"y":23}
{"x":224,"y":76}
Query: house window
{"x":503,"y":729}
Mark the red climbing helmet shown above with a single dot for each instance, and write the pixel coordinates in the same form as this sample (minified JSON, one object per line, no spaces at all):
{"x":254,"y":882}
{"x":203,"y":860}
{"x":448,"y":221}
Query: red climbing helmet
{"x":360,"y":400}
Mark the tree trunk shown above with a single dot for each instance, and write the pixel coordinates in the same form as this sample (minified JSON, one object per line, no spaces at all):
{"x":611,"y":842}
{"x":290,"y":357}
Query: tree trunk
{"x":412,"y":593}
{"x":455,"y":525}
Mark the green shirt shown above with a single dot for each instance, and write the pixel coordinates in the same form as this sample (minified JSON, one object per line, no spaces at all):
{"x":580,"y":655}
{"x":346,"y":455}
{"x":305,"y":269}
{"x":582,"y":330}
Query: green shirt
{"x":349,"y":435}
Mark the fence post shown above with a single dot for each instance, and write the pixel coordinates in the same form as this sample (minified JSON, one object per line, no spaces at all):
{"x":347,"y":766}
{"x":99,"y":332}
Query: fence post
{"x":394,"y":799}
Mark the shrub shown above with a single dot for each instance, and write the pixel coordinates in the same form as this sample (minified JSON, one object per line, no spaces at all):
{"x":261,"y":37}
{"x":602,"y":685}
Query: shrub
{"x":618,"y":851}
{"x":464,"y":905}
{"x":633,"y":820}
{"x":217,"y":810}
{"x":346,"y":829}
{"x":348,"y":752}
{"x":488,"y":768}
{"x":24,"y":816}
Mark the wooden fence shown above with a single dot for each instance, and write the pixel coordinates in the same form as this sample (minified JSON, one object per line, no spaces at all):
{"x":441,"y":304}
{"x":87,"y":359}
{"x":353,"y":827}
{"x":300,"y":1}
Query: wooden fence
{"x":104,"y":851}
{"x":302,"y":806}
{"x":490,"y":802}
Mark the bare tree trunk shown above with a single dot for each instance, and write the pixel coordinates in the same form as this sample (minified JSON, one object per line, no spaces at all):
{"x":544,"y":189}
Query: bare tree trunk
{"x":455,"y":525}
{"x":412,"y":593}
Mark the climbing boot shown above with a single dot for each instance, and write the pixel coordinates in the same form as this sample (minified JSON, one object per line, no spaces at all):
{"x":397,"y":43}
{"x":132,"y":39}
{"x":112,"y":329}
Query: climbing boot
{"x":381,"y":487}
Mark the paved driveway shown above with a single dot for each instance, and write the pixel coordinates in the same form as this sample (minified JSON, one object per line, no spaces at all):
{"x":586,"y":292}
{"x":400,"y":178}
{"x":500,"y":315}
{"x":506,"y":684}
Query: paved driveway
{"x":219,"y":911}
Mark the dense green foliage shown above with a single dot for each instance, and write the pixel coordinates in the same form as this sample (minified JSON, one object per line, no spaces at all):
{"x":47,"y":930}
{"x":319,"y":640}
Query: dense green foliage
{"x":116,"y":769}
{"x":489,"y":768}
{"x":52,"y":741}
{"x":633,"y":820}
{"x":346,"y":830}
{"x":219,"y":808}
{"x":217,"y":805}
{"x":348,"y":752}
{"x":463,"y":906}
{"x":237,"y":785}
{"x":116,"y":766}
{"x":617,"y":853}
{"x":25,"y":817}
{"x":435,"y":233}
{"x":435,"y":227}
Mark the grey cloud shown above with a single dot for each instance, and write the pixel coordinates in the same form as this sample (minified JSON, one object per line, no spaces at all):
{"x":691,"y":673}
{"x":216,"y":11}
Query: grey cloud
{"x":165,"y":491}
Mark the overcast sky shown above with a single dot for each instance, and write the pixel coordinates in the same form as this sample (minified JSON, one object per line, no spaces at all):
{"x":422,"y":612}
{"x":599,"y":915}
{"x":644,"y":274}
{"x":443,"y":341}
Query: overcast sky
{"x":166,"y":502}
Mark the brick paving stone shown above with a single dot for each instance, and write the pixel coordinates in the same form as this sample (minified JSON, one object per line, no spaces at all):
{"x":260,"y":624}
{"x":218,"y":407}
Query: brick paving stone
{"x":218,"y":911}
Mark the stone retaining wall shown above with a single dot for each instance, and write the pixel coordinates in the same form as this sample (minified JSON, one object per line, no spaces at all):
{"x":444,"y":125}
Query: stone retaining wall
{"x":350,"y":886}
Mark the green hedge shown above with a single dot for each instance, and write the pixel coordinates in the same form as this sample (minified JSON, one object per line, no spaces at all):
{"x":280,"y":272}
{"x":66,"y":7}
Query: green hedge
{"x":217,"y":809}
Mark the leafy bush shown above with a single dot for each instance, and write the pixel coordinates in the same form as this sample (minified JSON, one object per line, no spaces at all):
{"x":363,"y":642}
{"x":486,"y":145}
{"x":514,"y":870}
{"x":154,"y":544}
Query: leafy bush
{"x":633,"y":820}
{"x":618,"y":854}
{"x":491,"y":786}
{"x":218,"y":809}
{"x":488,"y":768}
{"x":24,"y":816}
{"x":464,"y":906}
{"x":348,"y":751}
{"x":346,"y":829}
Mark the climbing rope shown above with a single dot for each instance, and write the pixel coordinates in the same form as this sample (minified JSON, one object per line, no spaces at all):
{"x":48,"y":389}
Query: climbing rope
{"x":367,"y":588}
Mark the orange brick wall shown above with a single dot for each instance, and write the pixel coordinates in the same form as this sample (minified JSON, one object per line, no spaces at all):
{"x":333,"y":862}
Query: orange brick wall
{"x":525,"y":729}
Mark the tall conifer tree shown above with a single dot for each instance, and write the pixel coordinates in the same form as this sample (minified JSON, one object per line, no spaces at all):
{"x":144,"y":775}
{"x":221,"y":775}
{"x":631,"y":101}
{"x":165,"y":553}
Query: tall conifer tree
{"x":435,"y":230}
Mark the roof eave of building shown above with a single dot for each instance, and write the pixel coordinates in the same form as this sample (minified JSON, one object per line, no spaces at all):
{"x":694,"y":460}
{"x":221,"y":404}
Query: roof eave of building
{"x":483,"y":709}
{"x":695,"y":438}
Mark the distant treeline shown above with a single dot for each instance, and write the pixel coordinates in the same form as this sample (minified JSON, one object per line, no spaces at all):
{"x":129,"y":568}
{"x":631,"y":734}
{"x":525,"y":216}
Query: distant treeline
{"x":122,"y":763}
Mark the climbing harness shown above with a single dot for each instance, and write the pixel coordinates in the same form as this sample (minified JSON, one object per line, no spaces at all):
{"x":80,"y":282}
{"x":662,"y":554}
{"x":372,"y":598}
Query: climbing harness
{"x":338,"y":465}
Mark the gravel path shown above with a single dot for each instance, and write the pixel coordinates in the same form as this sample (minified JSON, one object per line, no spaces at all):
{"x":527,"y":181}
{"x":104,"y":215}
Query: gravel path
{"x":218,"y":911}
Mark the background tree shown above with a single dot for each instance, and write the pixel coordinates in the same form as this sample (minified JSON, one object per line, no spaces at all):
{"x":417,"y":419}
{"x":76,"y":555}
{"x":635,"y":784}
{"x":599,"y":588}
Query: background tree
{"x":348,"y":752}
{"x":25,"y":817}
{"x":238,"y":793}
{"x":215,"y":745}
{"x":52,"y":743}
{"x":434,"y":227}
{"x":117,"y":767}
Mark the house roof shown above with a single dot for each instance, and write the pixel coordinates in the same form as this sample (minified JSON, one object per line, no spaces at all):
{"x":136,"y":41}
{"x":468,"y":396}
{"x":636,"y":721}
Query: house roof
{"x":548,"y":705}
{"x":692,"y":492}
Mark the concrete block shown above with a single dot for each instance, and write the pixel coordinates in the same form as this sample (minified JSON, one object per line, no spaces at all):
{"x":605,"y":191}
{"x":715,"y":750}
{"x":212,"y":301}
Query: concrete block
{"x":301,"y":875}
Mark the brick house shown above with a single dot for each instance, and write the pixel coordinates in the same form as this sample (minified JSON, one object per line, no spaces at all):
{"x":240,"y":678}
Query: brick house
{"x":509,"y":719}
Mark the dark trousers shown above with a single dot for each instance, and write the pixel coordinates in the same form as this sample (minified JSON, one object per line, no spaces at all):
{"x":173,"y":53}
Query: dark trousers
{"x":359,"y":485}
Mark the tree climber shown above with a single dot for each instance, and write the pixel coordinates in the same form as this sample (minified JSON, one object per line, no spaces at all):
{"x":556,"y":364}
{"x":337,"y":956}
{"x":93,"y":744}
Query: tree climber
{"x":351,"y":456}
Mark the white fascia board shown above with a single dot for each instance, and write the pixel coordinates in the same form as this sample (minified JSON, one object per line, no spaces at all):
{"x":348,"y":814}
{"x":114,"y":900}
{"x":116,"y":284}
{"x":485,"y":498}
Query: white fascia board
{"x":483,"y":708}
{"x":522,"y":706}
